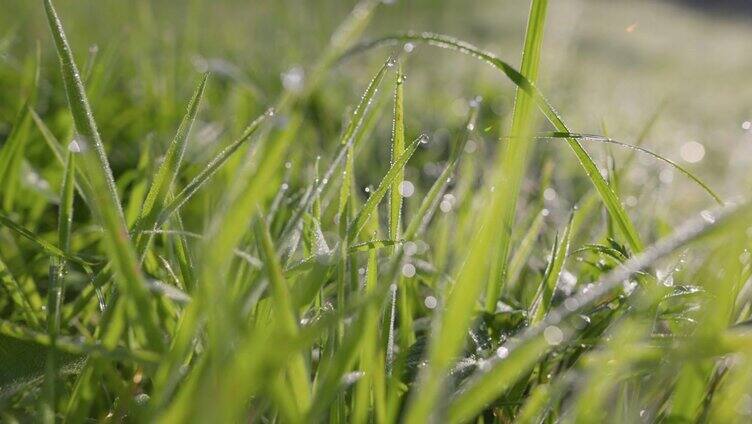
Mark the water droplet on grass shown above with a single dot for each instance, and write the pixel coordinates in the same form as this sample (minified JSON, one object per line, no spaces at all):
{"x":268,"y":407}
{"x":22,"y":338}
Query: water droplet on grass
{"x":406,"y":189}
{"x":74,"y":146}
{"x":707,"y":216}
{"x":692,"y":152}
{"x":502,"y":352}
{"x":553,"y":335}
{"x":408,"y":270}
{"x":292,"y":79}
{"x":430,"y":302}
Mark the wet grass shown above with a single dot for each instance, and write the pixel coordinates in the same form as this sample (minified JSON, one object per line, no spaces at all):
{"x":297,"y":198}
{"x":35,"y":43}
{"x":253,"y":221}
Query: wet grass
{"x":309,"y":271}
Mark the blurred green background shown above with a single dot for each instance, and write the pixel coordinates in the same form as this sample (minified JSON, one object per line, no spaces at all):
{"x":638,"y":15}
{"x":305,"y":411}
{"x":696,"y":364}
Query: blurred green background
{"x":608,"y":66}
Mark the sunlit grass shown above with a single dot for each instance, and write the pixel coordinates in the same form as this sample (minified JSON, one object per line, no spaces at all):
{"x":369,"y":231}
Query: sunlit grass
{"x":296,"y":274}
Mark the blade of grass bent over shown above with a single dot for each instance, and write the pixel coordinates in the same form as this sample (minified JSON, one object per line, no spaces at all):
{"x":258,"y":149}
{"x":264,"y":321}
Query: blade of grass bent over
{"x":608,"y":196}
{"x":635,"y":148}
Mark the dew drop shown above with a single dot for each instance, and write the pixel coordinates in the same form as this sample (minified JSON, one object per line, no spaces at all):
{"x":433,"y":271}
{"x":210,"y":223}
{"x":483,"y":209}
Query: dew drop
{"x":408,"y":270}
{"x":571,"y":304}
{"x":410,"y":248}
{"x":502,"y":352}
{"x":553,"y":335}
{"x":707,"y":216}
{"x":692,"y":152}
{"x":408,"y":47}
{"x":430,"y":302}
{"x":746,"y":125}
{"x":292,"y":79}
{"x":74,"y":146}
{"x":406,"y":189}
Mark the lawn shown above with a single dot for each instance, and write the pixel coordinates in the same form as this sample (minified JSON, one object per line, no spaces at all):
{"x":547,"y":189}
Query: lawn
{"x":375,"y":211}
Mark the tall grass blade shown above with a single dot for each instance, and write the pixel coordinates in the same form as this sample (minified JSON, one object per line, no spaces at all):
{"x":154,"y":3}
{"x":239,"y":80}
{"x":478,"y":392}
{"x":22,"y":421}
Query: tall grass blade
{"x":104,"y":196}
{"x":451,"y":329}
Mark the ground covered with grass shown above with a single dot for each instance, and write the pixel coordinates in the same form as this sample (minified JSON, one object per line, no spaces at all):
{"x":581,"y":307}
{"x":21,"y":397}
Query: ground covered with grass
{"x":312,"y":236}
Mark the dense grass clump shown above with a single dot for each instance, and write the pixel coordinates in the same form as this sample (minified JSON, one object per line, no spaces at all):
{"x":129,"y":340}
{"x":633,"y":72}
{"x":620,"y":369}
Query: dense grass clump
{"x":277,"y":271}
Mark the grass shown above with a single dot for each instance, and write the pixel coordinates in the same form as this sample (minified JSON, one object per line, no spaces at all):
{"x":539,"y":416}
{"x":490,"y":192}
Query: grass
{"x":307,"y":272}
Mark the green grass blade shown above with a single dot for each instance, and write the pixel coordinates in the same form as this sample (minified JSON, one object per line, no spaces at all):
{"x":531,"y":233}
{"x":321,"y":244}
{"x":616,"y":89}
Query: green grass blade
{"x":430,"y":202}
{"x":104,"y":197}
{"x":524,"y":249}
{"x":450,"y":335}
{"x":366,"y":386}
{"x":170,"y":166}
{"x":373,"y":200}
{"x":60,"y":154}
{"x":211,"y":168}
{"x":49,"y":248}
{"x":637,"y":148}
{"x":551,"y":277}
{"x":285,"y":315}
{"x":56,"y":291}
{"x":398,"y":148}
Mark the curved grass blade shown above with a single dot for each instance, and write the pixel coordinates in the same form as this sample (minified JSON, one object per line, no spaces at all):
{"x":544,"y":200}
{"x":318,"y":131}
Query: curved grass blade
{"x":47,"y":247}
{"x":608,"y":196}
{"x":601,"y":139}
{"x":104,"y":197}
